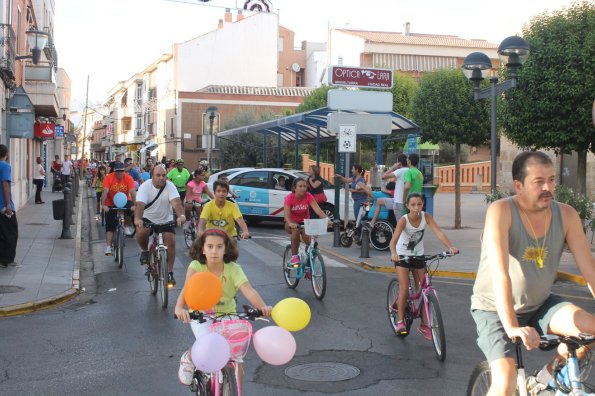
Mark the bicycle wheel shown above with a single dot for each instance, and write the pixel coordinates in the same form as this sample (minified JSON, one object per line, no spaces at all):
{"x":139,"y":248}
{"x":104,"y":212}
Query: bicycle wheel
{"x":115,"y":244}
{"x":393,"y":313}
{"x":318,"y":276}
{"x":435,"y":322}
{"x":163,"y":277}
{"x":152,"y":275}
{"x":480,"y":380}
{"x":345,"y":240}
{"x":289,"y":274}
{"x":120,"y":247}
{"x":229,"y":385}
{"x":380,"y":235}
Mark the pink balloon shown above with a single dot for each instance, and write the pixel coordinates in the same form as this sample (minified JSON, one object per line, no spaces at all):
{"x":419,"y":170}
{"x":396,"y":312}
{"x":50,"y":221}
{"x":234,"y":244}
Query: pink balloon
{"x":210,"y":353}
{"x":274,"y":345}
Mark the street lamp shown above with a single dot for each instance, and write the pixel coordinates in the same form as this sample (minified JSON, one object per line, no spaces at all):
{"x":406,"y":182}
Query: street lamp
{"x":513,"y":52}
{"x":38,"y":40}
{"x":211,"y":110}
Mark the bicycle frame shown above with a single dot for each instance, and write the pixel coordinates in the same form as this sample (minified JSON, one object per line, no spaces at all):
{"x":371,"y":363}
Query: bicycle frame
{"x":420,"y":297}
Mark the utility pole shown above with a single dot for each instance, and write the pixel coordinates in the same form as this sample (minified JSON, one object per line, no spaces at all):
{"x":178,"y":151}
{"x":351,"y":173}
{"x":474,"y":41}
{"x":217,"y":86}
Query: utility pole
{"x":84,"y":129}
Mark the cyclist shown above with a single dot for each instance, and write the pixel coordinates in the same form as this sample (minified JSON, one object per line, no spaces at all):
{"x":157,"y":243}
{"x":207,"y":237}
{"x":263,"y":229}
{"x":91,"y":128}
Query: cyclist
{"x":221,"y":213}
{"x":408,"y":240}
{"x":215,"y":252}
{"x":132,"y":171}
{"x":115,"y":182}
{"x":98,"y":184}
{"x":297,"y":208}
{"x":179,"y":177}
{"x":194,"y":190}
{"x":154,"y":202}
{"x":523,"y":240}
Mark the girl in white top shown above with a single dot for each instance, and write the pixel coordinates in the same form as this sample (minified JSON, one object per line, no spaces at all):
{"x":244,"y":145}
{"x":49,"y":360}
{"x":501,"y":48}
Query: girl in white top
{"x":408,"y":240}
{"x":38,"y":179}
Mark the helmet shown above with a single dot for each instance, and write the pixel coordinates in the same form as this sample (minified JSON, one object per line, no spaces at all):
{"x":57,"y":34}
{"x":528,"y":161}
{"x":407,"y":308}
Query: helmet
{"x":180,"y":161}
{"x":204,"y":164}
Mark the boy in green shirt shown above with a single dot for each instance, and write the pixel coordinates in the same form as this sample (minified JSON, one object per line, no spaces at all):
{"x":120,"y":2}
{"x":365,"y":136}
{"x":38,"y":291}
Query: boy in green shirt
{"x":413,"y":178}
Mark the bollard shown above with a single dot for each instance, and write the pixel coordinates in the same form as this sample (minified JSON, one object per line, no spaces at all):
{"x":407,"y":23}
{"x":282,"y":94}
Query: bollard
{"x":72,"y":182}
{"x":66,"y":221}
{"x":71,"y":198}
{"x":365,"y":250}
{"x":336,"y":233}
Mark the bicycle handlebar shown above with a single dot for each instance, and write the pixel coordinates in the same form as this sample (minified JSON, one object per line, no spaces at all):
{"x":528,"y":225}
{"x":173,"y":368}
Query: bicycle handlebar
{"x":250,"y":313}
{"x":426,"y":258}
{"x":147,"y":224}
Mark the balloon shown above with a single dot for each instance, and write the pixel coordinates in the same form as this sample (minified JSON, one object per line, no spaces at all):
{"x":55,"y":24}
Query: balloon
{"x":292,"y":314}
{"x":210,"y":353}
{"x":202,"y":291}
{"x":274,"y":345}
{"x":120,"y":200}
{"x":146,"y":176}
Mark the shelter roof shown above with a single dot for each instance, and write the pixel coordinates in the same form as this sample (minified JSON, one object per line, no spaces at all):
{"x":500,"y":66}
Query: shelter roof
{"x":418,"y":39}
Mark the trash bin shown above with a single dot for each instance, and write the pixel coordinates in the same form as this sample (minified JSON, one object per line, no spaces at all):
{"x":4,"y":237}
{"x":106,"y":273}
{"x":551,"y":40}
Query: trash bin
{"x":58,"y":209}
{"x":429,"y":191}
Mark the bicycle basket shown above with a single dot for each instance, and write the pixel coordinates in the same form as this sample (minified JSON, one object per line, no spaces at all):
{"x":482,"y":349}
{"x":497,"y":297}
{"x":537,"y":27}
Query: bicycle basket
{"x":315,"y":226}
{"x":238,"y":333}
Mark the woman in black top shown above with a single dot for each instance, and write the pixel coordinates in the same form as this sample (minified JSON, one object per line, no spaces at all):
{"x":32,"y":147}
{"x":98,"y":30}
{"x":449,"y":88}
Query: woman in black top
{"x":315,"y":187}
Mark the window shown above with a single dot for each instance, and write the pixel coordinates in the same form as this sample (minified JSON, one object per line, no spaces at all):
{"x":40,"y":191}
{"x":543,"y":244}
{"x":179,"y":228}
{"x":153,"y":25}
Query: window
{"x":138,"y":121}
{"x":282,"y":181}
{"x":139,"y":92}
{"x":258,"y":179}
{"x":18,"y":32}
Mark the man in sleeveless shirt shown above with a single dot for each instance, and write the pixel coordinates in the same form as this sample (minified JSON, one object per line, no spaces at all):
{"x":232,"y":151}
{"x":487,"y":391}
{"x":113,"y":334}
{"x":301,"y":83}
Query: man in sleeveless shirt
{"x":523,"y":239}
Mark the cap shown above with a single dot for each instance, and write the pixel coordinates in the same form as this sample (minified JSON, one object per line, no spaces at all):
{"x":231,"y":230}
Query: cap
{"x":180,"y":161}
{"x":118,"y":166}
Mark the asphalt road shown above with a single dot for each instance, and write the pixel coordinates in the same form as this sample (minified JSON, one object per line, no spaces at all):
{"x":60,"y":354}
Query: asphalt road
{"x":116,"y":340}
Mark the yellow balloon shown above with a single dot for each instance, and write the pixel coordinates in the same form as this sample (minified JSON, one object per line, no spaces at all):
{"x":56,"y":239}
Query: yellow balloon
{"x":292,"y":314}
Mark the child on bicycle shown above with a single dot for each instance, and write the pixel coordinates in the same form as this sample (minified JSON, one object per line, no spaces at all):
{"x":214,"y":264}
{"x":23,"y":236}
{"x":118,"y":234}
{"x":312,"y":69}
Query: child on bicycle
{"x":408,"y":240}
{"x":215,"y":252}
{"x":194,"y":190}
{"x":297,"y":208}
{"x":97,"y":183}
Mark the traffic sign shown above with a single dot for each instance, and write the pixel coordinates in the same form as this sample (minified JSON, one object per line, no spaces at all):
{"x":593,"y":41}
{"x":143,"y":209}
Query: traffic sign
{"x":365,"y":77}
{"x":347,"y":139}
{"x":366,"y":124}
{"x":411,"y":144}
{"x":349,"y":100}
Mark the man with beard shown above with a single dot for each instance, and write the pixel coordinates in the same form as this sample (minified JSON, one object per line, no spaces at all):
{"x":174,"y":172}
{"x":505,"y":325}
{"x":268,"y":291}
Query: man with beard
{"x":154,"y":201}
{"x":522,"y":243}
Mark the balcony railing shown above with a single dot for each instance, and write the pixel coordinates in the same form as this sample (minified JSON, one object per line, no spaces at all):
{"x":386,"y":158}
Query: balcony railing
{"x":7,"y":55}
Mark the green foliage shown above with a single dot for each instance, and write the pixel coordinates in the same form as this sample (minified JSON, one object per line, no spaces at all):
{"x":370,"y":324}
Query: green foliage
{"x":315,"y":100}
{"x":495,"y":195}
{"x":581,"y":203}
{"x":447,"y":153}
{"x":447,"y":113}
{"x":551,"y":107}
{"x":404,"y":89}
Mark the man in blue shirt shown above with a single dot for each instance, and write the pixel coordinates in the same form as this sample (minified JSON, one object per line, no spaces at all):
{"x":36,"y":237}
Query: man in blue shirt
{"x":9,"y":230}
{"x":132,"y":171}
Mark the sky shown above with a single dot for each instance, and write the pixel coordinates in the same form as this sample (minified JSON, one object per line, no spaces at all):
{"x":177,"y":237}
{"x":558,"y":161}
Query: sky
{"x":110,"y":40}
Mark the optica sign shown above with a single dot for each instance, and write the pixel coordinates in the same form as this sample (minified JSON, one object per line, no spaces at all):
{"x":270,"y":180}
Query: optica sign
{"x":364,"y":77}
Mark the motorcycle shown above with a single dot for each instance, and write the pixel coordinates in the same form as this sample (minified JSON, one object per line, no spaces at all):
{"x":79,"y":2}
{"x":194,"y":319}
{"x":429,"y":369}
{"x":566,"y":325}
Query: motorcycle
{"x":353,"y":230}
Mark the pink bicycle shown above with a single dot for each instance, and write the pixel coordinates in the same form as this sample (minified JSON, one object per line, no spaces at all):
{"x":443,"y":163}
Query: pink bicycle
{"x":237,"y":329}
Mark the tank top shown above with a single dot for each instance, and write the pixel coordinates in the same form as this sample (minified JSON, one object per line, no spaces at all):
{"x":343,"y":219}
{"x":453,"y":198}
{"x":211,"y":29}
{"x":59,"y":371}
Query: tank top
{"x":358,"y":196}
{"x":531,"y":285}
{"x":411,"y":240}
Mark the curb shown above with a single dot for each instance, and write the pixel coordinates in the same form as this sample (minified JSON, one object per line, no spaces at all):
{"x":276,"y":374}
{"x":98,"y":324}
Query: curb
{"x":49,"y":302}
{"x":565,"y":276}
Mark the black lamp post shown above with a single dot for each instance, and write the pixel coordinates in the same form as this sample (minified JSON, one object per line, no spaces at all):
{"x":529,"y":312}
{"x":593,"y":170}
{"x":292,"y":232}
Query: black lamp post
{"x":37,"y":39}
{"x":211,"y":110}
{"x":513,"y":52}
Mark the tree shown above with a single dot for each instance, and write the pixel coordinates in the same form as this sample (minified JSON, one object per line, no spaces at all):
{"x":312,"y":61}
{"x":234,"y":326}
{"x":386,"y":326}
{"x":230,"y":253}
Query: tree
{"x":315,"y":100}
{"x":551,"y":107}
{"x":403,"y":90}
{"x":447,"y":113}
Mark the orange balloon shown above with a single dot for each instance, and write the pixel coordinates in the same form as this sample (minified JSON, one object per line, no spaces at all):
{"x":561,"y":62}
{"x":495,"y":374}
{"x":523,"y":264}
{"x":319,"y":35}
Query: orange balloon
{"x":202,"y":291}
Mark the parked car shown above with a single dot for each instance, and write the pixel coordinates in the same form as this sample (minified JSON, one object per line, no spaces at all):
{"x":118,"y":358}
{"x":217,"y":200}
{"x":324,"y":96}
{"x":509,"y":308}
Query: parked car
{"x":223,"y":173}
{"x":261,"y":198}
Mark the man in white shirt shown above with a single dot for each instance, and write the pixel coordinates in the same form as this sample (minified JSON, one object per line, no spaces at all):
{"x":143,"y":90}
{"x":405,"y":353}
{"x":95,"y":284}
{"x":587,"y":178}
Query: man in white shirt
{"x":154,"y":207}
{"x":66,"y":169}
{"x":397,"y":171}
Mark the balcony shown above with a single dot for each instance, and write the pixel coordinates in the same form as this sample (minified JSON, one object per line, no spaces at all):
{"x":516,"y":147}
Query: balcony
{"x":137,"y":137}
{"x":7,"y":54}
{"x":106,"y":142}
{"x":40,"y":85}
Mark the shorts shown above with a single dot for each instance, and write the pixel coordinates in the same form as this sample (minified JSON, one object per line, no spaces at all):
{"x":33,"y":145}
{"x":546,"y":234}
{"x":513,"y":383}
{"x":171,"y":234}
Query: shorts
{"x":387,"y":202}
{"x":111,"y":218}
{"x":399,"y":210}
{"x":492,"y":339}
{"x":161,"y":228}
{"x":98,"y":195}
{"x":182,"y":194}
{"x":411,"y":264}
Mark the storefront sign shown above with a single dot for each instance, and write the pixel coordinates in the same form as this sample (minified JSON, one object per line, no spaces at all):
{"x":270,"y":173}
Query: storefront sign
{"x":59,"y":131}
{"x":43,"y":131}
{"x":361,"y":77}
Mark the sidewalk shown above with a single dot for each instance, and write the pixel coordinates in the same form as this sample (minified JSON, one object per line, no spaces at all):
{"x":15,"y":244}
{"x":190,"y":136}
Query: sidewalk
{"x":47,"y":270}
{"x":464,"y":265}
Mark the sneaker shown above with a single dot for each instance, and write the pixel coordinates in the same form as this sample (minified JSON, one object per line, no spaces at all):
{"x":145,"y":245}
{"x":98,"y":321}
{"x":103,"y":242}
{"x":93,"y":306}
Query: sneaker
{"x":401,"y":328}
{"x":294,"y":259}
{"x":425,"y":331}
{"x":144,"y":257}
{"x":186,"y":370}
{"x":171,"y":282}
{"x":535,"y":388}
{"x":129,"y":230}
{"x":108,"y":251}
